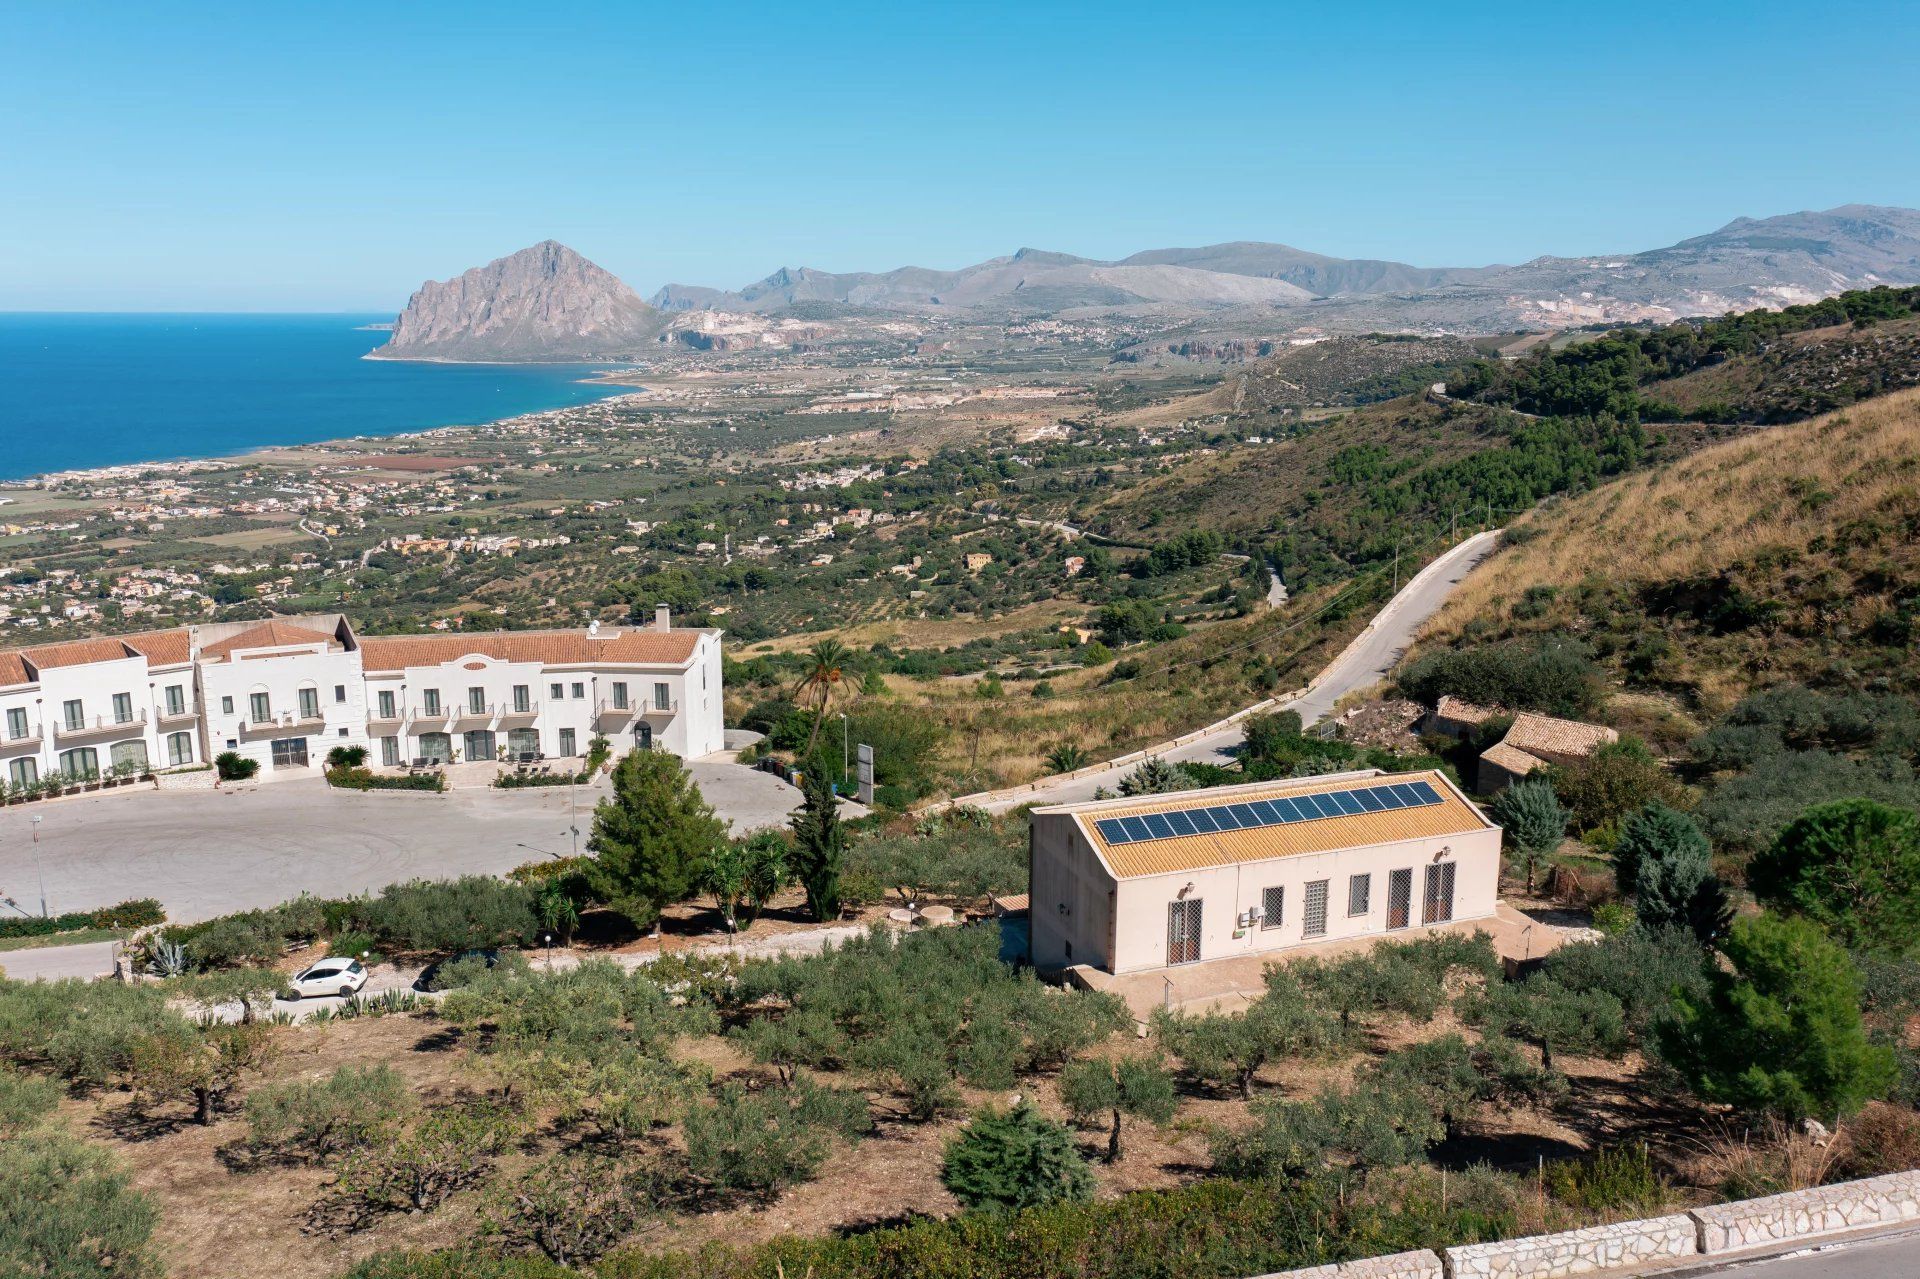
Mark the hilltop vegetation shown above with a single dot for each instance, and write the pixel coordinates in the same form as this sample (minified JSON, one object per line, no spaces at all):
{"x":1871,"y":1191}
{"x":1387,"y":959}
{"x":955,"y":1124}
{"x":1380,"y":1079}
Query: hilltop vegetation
{"x":1760,"y":366}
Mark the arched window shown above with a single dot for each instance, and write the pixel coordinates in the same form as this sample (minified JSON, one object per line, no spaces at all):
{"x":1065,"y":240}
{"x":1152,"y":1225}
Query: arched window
{"x":643,"y":736}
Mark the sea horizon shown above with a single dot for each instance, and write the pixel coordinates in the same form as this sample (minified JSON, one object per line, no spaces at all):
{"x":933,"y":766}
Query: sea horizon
{"x":80,"y":390}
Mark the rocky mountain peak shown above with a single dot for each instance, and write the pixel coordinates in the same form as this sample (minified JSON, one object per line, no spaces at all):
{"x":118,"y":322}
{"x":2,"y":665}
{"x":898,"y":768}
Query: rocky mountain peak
{"x":545,"y":302}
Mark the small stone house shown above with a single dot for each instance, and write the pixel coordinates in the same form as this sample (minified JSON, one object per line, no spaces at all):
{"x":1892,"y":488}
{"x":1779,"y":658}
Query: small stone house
{"x":1536,"y":741}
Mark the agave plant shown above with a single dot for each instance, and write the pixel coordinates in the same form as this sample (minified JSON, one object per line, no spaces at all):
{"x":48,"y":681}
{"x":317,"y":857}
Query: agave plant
{"x":166,"y":958}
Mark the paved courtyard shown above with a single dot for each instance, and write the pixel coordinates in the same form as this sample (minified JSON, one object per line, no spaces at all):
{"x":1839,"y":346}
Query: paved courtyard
{"x":207,"y":853}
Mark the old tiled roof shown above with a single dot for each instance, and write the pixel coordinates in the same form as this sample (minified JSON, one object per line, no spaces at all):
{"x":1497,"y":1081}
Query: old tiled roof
{"x":1536,"y":733}
{"x":78,"y":653}
{"x":274,"y":634}
{"x":1511,"y":758}
{"x":1463,"y":711}
{"x":1452,"y":816}
{"x":162,"y":648}
{"x":13,"y":669}
{"x":554,"y":648}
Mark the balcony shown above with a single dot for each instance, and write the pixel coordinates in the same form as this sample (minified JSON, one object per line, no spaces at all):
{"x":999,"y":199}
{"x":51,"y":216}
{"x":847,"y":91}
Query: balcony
{"x":654,"y":710}
{"x":27,"y":741}
{"x":520,"y":714}
{"x":607,"y":710}
{"x":466,"y":715}
{"x":87,"y":727}
{"x":395,"y":719}
{"x":187,"y":714}
{"x":285,"y":724}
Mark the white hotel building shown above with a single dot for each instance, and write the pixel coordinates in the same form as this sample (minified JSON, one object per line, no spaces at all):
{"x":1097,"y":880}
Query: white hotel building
{"x":286,"y":691}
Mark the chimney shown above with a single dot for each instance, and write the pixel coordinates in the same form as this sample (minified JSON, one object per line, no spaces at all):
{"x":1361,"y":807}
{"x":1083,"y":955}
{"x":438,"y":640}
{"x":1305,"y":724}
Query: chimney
{"x":662,"y":618}
{"x":593,"y":629}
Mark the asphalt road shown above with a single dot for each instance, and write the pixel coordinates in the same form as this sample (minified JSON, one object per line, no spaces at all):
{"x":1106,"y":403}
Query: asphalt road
{"x":1367,"y":662}
{"x":1895,"y":1257}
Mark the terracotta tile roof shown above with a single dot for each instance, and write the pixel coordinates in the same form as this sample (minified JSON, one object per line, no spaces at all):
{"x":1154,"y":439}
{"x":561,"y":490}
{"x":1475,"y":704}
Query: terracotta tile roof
{"x":1543,"y":733}
{"x":1452,"y":816}
{"x":1511,"y":758}
{"x":13,"y":669}
{"x":1462,"y":711}
{"x":554,"y":648}
{"x":274,"y":634}
{"x":162,"y":648}
{"x":78,"y":653}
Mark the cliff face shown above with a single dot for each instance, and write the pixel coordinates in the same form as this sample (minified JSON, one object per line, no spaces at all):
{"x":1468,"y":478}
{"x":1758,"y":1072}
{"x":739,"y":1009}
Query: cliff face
{"x":542,"y":303}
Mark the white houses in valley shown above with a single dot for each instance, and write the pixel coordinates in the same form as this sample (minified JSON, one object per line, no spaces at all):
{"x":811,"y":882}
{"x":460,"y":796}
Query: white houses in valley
{"x":287,"y":690}
{"x":1125,"y":885}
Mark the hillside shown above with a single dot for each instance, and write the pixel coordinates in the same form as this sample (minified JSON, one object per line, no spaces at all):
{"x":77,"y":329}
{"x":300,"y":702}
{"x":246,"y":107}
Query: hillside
{"x":1786,"y":556}
{"x":1350,"y":370}
{"x":542,"y":303}
{"x":1340,"y":496}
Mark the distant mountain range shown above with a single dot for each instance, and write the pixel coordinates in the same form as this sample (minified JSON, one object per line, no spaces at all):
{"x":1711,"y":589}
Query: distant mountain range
{"x":547,"y":302}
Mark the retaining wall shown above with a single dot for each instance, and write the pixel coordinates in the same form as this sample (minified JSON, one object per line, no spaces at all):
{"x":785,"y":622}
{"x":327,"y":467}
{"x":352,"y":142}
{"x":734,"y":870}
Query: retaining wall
{"x":194,"y":779}
{"x":1798,"y":1214}
{"x":1809,"y":1215}
{"x":1576,"y":1252}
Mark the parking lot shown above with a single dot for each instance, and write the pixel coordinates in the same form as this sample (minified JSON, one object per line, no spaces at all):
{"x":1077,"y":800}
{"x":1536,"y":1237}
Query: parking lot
{"x":208,"y":853}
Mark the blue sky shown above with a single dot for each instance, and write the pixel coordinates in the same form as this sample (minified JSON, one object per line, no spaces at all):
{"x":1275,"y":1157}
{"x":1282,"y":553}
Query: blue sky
{"x":307,"y":157}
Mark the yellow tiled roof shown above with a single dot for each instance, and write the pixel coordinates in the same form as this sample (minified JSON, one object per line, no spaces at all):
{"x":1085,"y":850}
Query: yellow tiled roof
{"x":1452,"y":816}
{"x":273,"y":634}
{"x":637,"y":646}
{"x":1511,"y":758}
{"x":1563,"y":736}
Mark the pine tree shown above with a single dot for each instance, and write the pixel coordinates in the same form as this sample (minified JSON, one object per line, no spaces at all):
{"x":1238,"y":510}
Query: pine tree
{"x":819,"y":845}
{"x":1854,"y":868}
{"x":650,"y":837}
{"x":1782,"y":1033}
{"x":1014,"y":1159}
{"x":1534,"y":821}
{"x":1665,"y":861}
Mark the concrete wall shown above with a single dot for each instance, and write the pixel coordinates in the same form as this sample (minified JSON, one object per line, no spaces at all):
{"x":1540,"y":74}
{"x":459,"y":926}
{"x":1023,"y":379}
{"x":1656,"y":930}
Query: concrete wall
{"x":1070,"y":899}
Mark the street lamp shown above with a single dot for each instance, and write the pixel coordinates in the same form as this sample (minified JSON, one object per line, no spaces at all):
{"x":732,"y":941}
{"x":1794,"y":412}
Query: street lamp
{"x":38,"y":869}
{"x":844,"y":766}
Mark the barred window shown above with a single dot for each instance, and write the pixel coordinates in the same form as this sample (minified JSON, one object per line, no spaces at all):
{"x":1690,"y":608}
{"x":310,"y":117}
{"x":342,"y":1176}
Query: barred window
{"x":1272,"y":907}
{"x":1314,"y":923}
{"x":1359,"y":894}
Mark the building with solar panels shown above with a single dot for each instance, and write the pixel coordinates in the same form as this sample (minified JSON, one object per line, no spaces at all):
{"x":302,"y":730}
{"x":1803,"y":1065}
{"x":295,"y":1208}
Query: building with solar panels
{"x":1125,"y":885}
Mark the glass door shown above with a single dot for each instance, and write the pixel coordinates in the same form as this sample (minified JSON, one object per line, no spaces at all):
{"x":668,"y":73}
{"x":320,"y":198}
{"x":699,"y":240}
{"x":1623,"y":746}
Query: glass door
{"x":1438,"y":907}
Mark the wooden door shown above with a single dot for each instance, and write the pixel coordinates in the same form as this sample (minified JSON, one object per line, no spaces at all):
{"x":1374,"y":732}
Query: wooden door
{"x":1183,"y":931}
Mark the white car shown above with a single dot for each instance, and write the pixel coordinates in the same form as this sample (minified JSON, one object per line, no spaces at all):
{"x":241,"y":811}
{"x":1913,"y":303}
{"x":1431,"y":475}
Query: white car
{"x":341,"y":975}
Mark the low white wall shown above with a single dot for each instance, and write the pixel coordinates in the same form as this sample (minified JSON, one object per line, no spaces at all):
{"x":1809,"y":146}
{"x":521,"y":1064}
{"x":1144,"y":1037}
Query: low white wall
{"x":1421,"y":1264}
{"x":1850,"y":1205}
{"x":1576,"y":1252}
{"x":193,"y":779}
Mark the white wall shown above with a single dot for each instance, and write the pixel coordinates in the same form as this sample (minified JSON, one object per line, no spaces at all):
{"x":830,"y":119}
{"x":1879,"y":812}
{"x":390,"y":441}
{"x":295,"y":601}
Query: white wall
{"x":227,"y":686}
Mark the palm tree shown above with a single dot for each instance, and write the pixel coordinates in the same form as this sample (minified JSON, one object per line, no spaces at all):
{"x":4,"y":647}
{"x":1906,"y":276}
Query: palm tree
{"x":1066,"y":757}
{"x":818,"y":680}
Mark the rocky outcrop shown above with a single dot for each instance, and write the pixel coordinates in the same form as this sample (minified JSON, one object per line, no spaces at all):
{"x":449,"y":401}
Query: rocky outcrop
{"x":542,"y":303}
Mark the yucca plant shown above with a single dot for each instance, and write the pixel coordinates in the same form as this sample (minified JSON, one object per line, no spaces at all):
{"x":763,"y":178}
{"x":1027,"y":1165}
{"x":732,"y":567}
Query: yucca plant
{"x":166,"y":958}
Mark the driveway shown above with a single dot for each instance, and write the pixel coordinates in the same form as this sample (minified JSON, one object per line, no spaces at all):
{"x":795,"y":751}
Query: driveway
{"x":209,"y":853}
{"x":1366,"y":662}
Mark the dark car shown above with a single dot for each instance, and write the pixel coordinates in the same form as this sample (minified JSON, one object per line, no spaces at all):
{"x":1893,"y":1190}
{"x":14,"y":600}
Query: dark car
{"x":471,"y":963}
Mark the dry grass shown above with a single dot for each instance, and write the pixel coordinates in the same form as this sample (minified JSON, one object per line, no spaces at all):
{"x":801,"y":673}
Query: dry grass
{"x":1801,"y":514}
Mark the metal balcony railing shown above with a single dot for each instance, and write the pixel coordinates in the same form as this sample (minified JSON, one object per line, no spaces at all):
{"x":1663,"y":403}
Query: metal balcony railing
{"x":98,"y":726}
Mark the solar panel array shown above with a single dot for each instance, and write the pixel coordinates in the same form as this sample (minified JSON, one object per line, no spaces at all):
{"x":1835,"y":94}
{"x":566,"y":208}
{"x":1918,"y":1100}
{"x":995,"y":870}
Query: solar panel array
{"x":1259,"y":813}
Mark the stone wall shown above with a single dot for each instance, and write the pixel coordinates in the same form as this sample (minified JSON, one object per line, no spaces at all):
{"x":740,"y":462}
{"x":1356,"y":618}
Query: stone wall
{"x":1825,"y":1211}
{"x":1576,"y":1252}
{"x":187,"y":779}
{"x":1850,"y":1205}
{"x":1422,"y":1264}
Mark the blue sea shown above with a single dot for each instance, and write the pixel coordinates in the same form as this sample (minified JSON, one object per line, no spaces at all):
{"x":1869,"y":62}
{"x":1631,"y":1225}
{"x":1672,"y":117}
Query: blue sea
{"x":95,"y":390}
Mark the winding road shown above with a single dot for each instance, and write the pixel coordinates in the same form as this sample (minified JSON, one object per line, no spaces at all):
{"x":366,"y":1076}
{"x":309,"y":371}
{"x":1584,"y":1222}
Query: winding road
{"x":1368,"y":660}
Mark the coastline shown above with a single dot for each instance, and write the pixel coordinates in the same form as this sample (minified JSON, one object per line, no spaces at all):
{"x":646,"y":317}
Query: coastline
{"x":186,"y":465}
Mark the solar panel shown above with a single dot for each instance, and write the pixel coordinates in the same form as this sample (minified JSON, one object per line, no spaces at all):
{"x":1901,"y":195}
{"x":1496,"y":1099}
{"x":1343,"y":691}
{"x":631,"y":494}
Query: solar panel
{"x":1380,"y":797}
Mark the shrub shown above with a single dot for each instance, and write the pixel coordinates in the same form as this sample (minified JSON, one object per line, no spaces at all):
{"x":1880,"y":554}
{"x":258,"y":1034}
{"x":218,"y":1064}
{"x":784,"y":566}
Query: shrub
{"x":1615,"y":1178}
{"x":1014,"y":1159}
{"x":348,"y":777}
{"x":1534,"y":821}
{"x":761,"y":1141}
{"x":1553,"y":678}
{"x":449,"y":1149}
{"x":450,"y":915}
{"x":83,"y":1032}
{"x":316,"y":1120}
{"x":346,"y":757}
{"x":67,"y":1212}
{"x":819,"y":845}
{"x":25,"y":1101}
{"x":1614,"y":781}
{"x":137,"y":913}
{"x":571,"y":1209}
{"x":1156,"y":776}
{"x":235,"y":767}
